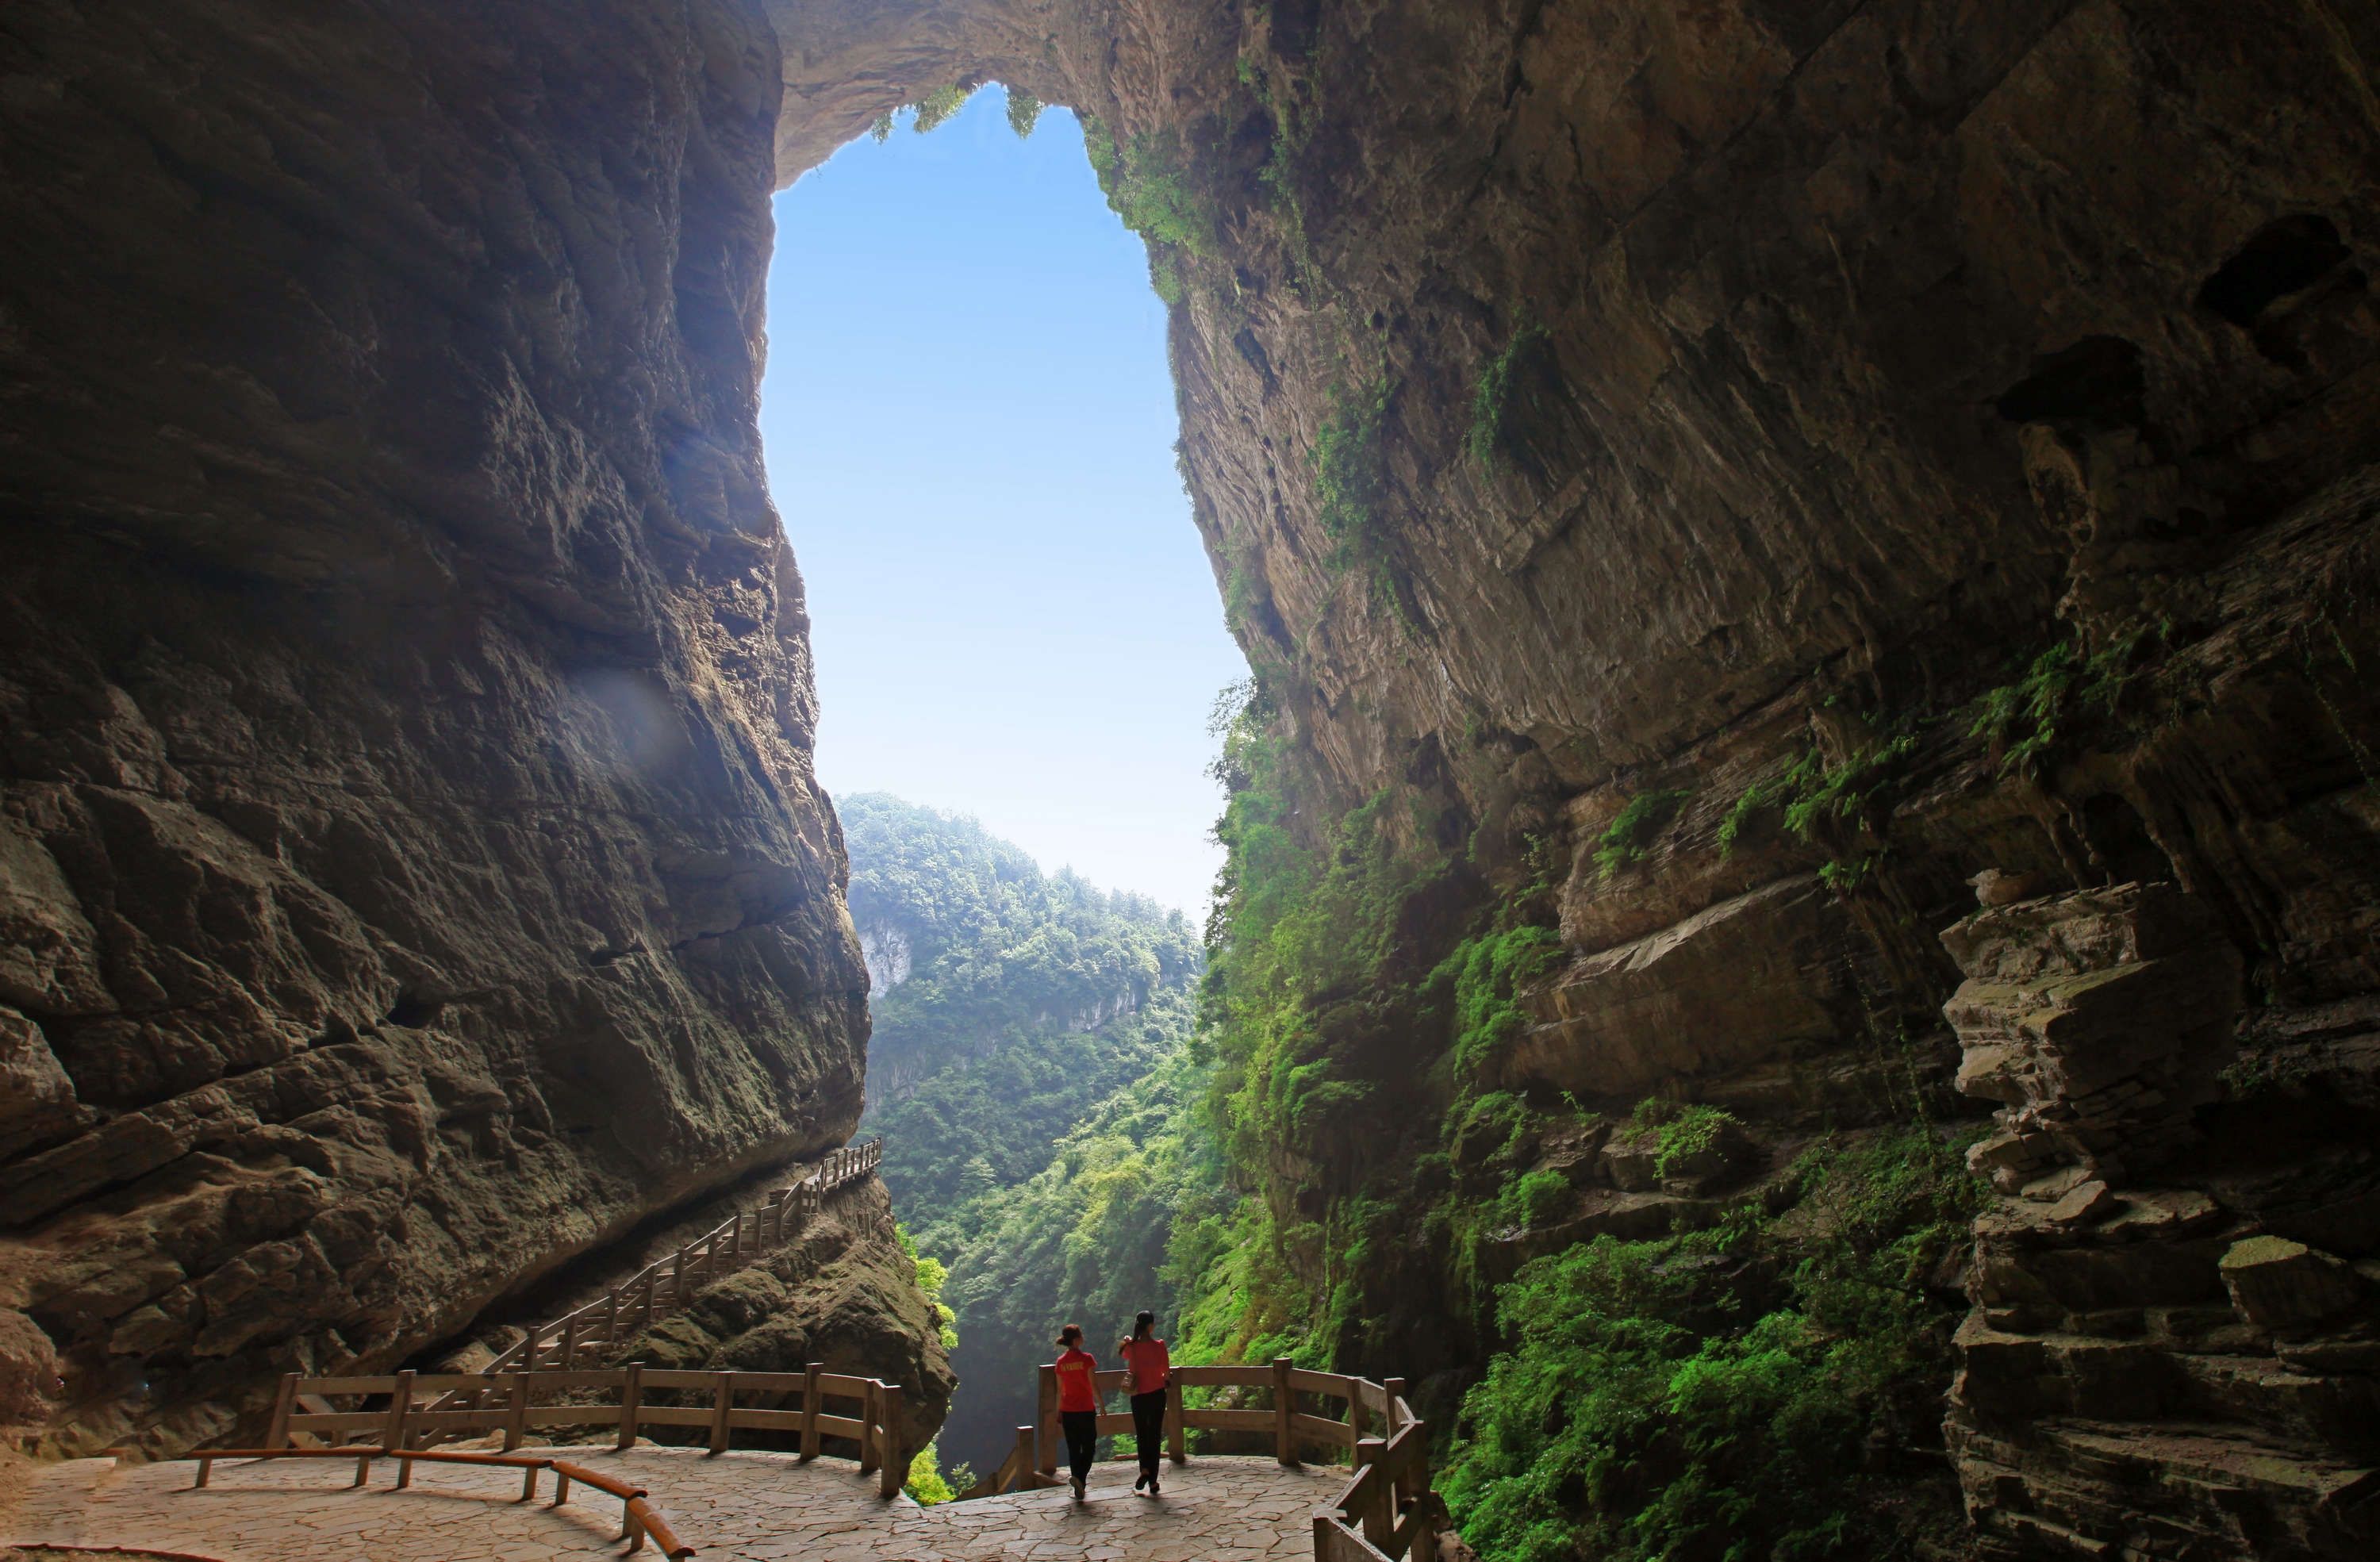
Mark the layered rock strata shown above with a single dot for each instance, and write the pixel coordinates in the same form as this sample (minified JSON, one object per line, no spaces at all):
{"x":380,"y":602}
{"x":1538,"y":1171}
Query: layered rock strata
{"x":412,"y":875}
{"x":2160,"y":1362}
{"x":1806,"y":459}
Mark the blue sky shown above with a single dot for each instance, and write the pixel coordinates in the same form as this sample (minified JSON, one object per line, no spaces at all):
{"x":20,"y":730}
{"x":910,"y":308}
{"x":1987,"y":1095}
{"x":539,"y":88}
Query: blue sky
{"x":969,"y":429}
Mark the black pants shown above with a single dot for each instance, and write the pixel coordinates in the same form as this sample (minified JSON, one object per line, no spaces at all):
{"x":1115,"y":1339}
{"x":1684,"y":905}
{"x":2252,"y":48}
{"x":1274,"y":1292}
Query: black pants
{"x":1082,"y":1440}
{"x":1149,"y":1425}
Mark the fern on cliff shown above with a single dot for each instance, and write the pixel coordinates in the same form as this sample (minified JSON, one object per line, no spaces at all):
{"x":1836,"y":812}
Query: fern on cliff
{"x":1665,"y":1398}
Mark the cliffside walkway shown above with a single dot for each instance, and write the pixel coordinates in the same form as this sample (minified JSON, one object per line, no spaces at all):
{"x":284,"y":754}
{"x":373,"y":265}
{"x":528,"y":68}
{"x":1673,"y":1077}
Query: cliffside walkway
{"x":321,"y":1503}
{"x":663,"y":1287}
{"x":762,"y":1507}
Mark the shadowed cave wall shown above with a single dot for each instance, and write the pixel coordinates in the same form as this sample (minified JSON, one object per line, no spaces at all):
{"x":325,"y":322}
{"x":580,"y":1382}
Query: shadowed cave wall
{"x":414,"y":872}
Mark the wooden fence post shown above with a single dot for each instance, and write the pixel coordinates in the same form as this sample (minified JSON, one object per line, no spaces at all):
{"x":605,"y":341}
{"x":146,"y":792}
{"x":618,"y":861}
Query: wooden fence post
{"x":517,"y":1413}
{"x":285,"y":1400}
{"x":1379,"y":1515}
{"x":895,"y":1455}
{"x":723,"y":1399}
{"x":1395,"y":1421}
{"x":652,"y":1277}
{"x":570,"y":1343}
{"x":612,"y":1316}
{"x":1174,"y":1443}
{"x":677,"y":1279}
{"x":400,"y":1405}
{"x":1425,"y":1539}
{"x":632,"y":1404}
{"x":1047,"y":1420}
{"x":1284,"y":1435}
{"x":811,"y":1410}
{"x":868,"y":1458}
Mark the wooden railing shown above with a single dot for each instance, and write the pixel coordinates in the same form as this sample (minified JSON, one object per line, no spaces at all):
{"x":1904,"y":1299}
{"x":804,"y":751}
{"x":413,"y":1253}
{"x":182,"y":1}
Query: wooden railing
{"x":638,"y":1518}
{"x":1016,"y":1472}
{"x":1385,"y":1512}
{"x":424,"y":1407}
{"x":587,"y":1336}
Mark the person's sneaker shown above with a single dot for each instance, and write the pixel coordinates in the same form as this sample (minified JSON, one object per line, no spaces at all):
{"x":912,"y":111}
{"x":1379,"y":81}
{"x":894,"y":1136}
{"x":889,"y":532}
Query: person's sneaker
{"x":1152,"y":1486}
{"x":1078,"y":1491}
{"x":1140,"y":1482}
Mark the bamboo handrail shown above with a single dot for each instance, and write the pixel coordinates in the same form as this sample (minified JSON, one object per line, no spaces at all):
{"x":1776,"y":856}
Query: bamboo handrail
{"x":638,"y":1518}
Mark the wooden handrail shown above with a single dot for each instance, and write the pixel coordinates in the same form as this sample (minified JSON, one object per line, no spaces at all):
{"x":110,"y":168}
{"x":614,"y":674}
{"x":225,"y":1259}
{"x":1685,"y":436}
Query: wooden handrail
{"x":638,"y":1518}
{"x":1386,"y":1510}
{"x":665,"y":1287}
{"x":875,"y":1428}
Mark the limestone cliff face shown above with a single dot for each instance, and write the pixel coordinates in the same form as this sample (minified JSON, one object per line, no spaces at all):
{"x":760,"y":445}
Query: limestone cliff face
{"x":1956,"y":422}
{"x":411,"y":870}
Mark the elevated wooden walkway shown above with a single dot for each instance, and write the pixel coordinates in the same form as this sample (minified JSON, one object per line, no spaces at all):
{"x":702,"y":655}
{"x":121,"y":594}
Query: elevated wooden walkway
{"x":666,"y":1286}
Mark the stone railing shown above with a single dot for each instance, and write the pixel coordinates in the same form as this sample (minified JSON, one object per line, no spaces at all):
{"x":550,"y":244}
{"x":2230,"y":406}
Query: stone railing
{"x":666,"y":1286}
{"x":1385,"y":1512}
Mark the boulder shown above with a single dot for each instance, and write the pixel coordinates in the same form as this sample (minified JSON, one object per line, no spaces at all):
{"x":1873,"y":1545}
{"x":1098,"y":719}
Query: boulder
{"x":2278,"y":1284}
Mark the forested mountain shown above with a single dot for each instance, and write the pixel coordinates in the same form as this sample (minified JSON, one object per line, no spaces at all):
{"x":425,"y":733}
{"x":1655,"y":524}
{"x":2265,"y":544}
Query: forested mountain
{"x":1031,"y":1072}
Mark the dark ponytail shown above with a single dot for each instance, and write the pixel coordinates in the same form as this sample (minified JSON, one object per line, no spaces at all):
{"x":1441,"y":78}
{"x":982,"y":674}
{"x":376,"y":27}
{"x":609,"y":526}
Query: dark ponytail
{"x":1142,"y":1327}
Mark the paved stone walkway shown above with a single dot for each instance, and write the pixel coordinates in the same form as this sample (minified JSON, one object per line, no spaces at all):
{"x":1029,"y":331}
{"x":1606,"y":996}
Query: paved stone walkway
{"x":766,"y":1507}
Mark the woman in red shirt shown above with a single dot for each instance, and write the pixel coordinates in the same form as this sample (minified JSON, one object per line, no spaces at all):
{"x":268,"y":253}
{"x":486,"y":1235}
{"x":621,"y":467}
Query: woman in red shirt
{"x":1078,"y":1404}
{"x":1145,"y":1357}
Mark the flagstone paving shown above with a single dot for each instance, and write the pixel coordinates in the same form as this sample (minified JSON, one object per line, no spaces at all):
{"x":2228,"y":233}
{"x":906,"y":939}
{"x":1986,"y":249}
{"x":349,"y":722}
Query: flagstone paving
{"x":765,"y":1507}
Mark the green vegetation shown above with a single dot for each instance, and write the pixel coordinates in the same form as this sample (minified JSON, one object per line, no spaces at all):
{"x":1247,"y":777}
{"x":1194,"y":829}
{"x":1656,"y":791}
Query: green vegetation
{"x":931,"y":1277}
{"x":1682,"y":1132}
{"x":1287,"y":99}
{"x":1084,"y":1240}
{"x":928,"y":1486}
{"x":935,"y":109}
{"x":938,"y":107}
{"x":1491,"y":398}
{"x":1350,"y":467}
{"x":1662,"y":1399}
{"x":2023,"y":718}
{"x":1351,"y":490}
{"x":1632,"y":832}
{"x":1325,"y":1146}
{"x":1708,"y":1394}
{"x":1032,"y":1073}
{"x":1027,"y":999}
{"x":1024,"y":112}
{"x":1147,"y":185}
{"x":1812,"y":796}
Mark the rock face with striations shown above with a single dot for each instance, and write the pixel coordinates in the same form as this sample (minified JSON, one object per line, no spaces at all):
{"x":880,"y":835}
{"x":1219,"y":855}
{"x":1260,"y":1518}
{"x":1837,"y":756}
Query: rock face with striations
{"x":412,"y":875}
{"x":1812,"y":458}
